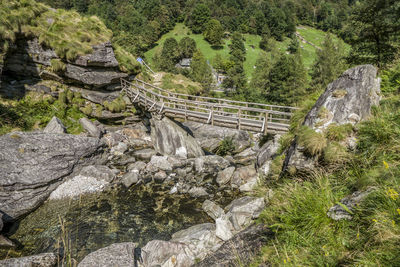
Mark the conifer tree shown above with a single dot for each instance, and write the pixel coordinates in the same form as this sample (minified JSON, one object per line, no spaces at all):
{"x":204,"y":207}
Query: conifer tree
{"x":169,"y":55}
{"x":214,"y":32}
{"x":330,"y":63}
{"x":187,"y":46}
{"x":200,"y":70}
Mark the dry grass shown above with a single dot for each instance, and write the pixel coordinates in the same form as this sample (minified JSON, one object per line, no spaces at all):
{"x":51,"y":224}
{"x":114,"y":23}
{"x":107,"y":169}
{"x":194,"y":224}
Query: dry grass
{"x":313,"y":142}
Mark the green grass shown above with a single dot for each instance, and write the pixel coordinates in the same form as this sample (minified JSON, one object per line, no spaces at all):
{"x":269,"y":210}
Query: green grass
{"x":308,"y":52}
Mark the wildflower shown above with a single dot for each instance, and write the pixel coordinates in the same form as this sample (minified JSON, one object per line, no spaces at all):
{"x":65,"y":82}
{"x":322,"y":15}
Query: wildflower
{"x":358,"y":235}
{"x":392,"y":193}
{"x":374,"y":220}
{"x":398,"y":211}
{"x":284,"y":261}
{"x":386,"y":165}
{"x":393,"y":223}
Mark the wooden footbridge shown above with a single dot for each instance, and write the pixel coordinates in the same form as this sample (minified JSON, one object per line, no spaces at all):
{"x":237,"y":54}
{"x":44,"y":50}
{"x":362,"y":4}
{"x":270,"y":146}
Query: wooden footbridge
{"x":253,"y":117}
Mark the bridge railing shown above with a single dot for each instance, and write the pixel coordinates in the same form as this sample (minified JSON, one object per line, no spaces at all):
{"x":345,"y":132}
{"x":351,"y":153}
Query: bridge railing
{"x":230,"y":113}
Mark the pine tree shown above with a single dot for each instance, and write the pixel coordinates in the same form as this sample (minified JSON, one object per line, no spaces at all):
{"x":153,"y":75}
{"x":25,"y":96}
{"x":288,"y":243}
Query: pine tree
{"x":199,"y":18}
{"x":214,"y":32}
{"x":260,"y":79}
{"x":376,"y":26}
{"x":187,"y":46}
{"x":169,"y":55}
{"x":294,"y":45}
{"x":330,"y":63}
{"x":200,"y":70}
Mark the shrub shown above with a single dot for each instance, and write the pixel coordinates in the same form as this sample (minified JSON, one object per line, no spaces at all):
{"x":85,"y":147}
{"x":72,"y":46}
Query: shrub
{"x":226,"y":147}
{"x":313,"y":142}
{"x":336,"y":132}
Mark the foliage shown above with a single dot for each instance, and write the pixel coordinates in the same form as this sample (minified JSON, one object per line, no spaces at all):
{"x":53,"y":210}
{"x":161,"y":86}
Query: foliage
{"x":187,"y":47}
{"x":116,"y":106}
{"x":313,"y":142}
{"x":294,"y":45}
{"x":169,"y":55}
{"x":199,"y":18}
{"x":214,"y":32}
{"x":336,"y":132}
{"x":330,"y":63}
{"x":226,"y":147}
{"x":200,"y":70}
{"x":375,"y":32}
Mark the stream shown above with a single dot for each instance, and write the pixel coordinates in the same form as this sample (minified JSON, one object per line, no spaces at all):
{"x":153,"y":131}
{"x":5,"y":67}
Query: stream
{"x":138,"y":214}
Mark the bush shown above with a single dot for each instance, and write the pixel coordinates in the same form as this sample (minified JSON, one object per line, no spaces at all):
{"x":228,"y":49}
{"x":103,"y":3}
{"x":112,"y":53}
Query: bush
{"x":336,"y":132}
{"x":226,"y":147}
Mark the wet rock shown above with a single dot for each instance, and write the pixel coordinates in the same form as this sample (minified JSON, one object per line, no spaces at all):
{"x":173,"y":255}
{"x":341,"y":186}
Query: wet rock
{"x":241,"y":248}
{"x":91,"y":179}
{"x":197,"y":192}
{"x":339,"y":212}
{"x":166,"y":253}
{"x":210,"y":164}
{"x":90,"y":127}
{"x":200,"y":239}
{"x":267,"y":153}
{"x":55,"y":126}
{"x":243,"y":175}
{"x":209,"y":136}
{"x":34,"y":164}
{"x":40,"y":260}
{"x":120,"y":254}
{"x":130,"y":178}
{"x":348,"y":99}
{"x":160,"y":163}
{"x":225,"y":175}
{"x":170,"y":139}
{"x":144,"y":154}
{"x":223,"y":228}
{"x":212,"y":209}
{"x":5,"y":242}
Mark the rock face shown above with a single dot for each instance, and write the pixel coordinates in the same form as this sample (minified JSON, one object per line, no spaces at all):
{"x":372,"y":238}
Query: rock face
{"x":239,"y":250}
{"x":209,"y":136}
{"x":33,"y":165}
{"x":55,"y":126}
{"x":170,"y":139}
{"x":120,"y":254}
{"x":40,"y":260}
{"x":89,"y":126}
{"x":166,"y":253}
{"x":347,"y":100}
{"x":96,"y":70}
{"x":267,"y":153}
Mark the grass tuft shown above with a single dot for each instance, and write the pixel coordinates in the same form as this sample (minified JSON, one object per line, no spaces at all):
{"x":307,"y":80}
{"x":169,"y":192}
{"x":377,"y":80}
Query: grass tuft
{"x":313,"y":142}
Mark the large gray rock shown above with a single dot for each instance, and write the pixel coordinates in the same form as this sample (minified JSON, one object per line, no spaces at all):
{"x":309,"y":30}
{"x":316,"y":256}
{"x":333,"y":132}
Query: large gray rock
{"x":166,"y":253}
{"x":209,"y":136}
{"x":346,"y":100}
{"x":120,"y":254}
{"x":225,"y":175}
{"x":171,"y":139}
{"x":243,"y":175}
{"x":239,"y":250}
{"x":102,"y":56}
{"x":93,"y":76}
{"x":90,"y":127}
{"x":243,"y":210}
{"x":34,"y":164}
{"x":210,"y":164}
{"x":91,"y":179}
{"x":201,"y":239}
{"x":212,"y":209}
{"x":40,"y":260}
{"x":55,"y":126}
{"x":267,"y":153}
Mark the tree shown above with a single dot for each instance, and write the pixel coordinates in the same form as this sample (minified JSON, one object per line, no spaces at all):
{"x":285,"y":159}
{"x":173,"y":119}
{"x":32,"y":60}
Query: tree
{"x":214,"y":32}
{"x":260,"y":79}
{"x":169,"y":55}
{"x":237,"y":49}
{"x":377,"y":31}
{"x":330,"y":63}
{"x":236,"y":76}
{"x":199,"y":17}
{"x":294,"y":45}
{"x":200,"y":70}
{"x":287,"y":80}
{"x":187,"y":46}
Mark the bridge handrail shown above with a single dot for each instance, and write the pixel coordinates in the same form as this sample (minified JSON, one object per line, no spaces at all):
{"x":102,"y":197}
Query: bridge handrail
{"x":213,"y":98}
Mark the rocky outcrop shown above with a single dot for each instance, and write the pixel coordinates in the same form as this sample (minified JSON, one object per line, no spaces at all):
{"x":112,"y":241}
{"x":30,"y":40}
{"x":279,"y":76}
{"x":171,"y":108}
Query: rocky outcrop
{"x":209,"y":136}
{"x":267,"y":153}
{"x":33,"y":165}
{"x":120,"y":254}
{"x":239,"y":250}
{"x":40,"y":260}
{"x":55,"y":126}
{"x":171,"y":139}
{"x":347,"y":100}
{"x":91,"y":128}
{"x":97,"y":70}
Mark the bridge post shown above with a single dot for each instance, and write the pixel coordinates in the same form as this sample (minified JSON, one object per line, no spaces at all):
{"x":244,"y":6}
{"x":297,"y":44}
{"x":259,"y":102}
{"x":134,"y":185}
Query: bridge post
{"x":212,"y":115}
{"x":266,"y":123}
{"x":185,"y":111}
{"x":239,"y":112}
